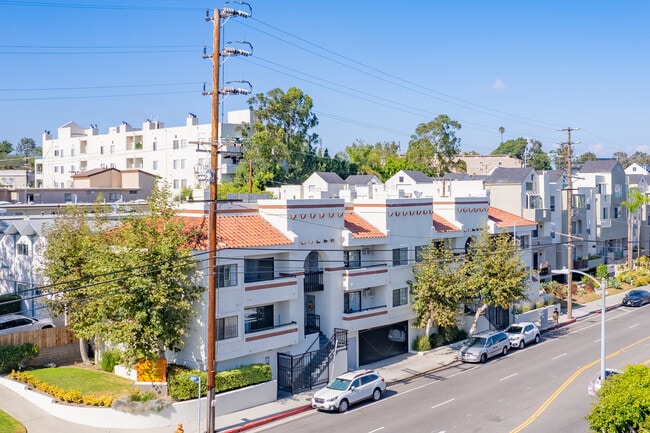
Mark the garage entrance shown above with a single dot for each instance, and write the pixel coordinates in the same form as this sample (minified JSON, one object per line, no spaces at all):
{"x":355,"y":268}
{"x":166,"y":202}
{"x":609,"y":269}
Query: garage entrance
{"x":383,"y":342}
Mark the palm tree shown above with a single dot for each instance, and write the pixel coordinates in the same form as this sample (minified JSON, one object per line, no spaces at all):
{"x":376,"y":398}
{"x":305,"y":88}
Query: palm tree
{"x":636,"y":199}
{"x":501,"y":131}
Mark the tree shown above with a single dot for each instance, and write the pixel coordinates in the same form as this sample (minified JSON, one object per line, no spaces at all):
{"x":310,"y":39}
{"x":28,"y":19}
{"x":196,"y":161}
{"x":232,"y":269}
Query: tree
{"x":587,"y":156}
{"x":280,"y":142}
{"x":623,"y":403}
{"x":5,"y":147}
{"x":434,"y":146}
{"x":501,"y":131}
{"x":633,"y":204}
{"x":494,"y":274}
{"x":622,"y":158}
{"x":130,"y":286}
{"x":436,"y":294}
{"x":515,"y":148}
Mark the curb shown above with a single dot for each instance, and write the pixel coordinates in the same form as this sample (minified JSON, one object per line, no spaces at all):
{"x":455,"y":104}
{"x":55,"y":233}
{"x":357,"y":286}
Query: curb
{"x":268,"y":419}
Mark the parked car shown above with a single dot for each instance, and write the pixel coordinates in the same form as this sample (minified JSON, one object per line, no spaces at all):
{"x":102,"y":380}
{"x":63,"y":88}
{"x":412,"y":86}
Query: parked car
{"x":596,"y":383}
{"x":636,"y":298}
{"x":479,"y":347}
{"x":521,"y":334}
{"x":349,"y":388}
{"x":17,"y":323}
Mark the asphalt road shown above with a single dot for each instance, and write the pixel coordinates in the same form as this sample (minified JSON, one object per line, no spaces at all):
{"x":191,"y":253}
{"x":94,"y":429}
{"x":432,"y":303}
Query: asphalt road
{"x":540,"y":389}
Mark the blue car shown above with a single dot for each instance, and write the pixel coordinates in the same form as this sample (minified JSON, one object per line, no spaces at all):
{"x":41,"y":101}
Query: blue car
{"x":636,"y":298}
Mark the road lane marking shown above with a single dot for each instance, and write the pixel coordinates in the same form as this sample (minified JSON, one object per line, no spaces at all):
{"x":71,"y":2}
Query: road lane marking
{"x":444,"y":402}
{"x":508,"y":377}
{"x":633,"y":326}
{"x":560,"y":355}
{"x":567,"y":382}
{"x":377,"y":429}
{"x":463,"y":371}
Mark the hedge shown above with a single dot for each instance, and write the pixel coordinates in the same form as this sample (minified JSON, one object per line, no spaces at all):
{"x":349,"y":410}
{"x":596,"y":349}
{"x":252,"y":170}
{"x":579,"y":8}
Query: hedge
{"x":180,"y":387}
{"x":13,"y":357}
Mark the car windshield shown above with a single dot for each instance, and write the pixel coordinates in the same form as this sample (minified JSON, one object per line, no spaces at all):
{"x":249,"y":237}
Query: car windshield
{"x":339,"y":384}
{"x":636,"y":293}
{"x":475,"y":342}
{"x":514,"y":329}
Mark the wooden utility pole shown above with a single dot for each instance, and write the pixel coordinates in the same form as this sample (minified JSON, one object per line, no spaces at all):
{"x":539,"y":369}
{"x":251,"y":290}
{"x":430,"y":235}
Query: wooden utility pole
{"x":212,"y":226}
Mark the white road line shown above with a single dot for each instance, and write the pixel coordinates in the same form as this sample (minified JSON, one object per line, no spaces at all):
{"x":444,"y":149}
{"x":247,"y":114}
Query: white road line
{"x":508,"y":377}
{"x":560,"y":356}
{"x":630,"y":327}
{"x":377,"y":429}
{"x":444,"y":402}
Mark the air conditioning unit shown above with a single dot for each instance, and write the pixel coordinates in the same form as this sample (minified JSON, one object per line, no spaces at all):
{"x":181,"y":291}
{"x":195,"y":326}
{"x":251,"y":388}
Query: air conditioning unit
{"x":368,"y":293}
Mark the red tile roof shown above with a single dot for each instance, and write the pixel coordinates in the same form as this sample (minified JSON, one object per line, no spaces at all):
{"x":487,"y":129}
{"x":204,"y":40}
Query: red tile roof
{"x":235,"y":232}
{"x":442,"y":225}
{"x":505,"y":219}
{"x":361,"y":228}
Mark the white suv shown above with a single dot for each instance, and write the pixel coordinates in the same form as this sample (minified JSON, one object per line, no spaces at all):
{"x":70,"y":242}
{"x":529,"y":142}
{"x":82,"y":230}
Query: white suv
{"x":18,"y":323}
{"x":349,"y":388}
{"x":521,"y":334}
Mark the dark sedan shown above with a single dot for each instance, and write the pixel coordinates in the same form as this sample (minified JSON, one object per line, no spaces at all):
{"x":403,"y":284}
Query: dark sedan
{"x":636,"y":298}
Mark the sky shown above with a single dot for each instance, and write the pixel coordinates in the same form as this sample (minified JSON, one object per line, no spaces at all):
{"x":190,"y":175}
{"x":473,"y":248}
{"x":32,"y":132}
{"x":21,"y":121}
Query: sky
{"x":374,"y":69}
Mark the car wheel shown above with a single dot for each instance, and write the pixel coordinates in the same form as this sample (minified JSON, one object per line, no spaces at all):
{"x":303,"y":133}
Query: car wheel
{"x":47,"y":327}
{"x":376,"y":395}
{"x":537,"y":339}
{"x":505,"y":350}
{"x":343,"y":406}
{"x":483,"y":358}
{"x":522,"y":344}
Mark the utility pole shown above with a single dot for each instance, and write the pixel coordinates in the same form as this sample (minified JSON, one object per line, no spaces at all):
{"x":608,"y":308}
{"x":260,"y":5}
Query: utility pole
{"x":569,"y":158}
{"x":213,"y":208}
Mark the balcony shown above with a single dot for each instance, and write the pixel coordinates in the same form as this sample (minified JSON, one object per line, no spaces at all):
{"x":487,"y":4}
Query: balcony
{"x":538,"y":215}
{"x":365,"y":318}
{"x":541,"y":241}
{"x":276,"y":337}
{"x":369,"y":276}
{"x":314,"y":281}
{"x":270,"y":291}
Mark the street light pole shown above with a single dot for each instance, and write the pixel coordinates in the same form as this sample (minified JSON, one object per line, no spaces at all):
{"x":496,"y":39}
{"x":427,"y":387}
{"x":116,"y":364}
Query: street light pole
{"x":603,"y":290}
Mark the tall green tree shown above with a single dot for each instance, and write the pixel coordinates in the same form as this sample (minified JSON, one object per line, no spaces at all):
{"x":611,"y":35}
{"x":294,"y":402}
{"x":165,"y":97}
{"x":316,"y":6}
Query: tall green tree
{"x":6,"y":147}
{"x":623,"y":403}
{"x":434,"y":147}
{"x":280,"y":141}
{"x":131,"y":286}
{"x":494,"y":274}
{"x":636,"y":199}
{"x":435,"y":291}
{"x":515,"y":148}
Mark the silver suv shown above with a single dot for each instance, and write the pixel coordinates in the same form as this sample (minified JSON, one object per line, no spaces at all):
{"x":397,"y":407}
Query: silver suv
{"x":349,"y":388}
{"x":479,"y":347}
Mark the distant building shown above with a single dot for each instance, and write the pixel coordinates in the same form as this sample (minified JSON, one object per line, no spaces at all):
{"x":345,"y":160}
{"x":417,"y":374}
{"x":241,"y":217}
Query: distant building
{"x":485,"y":164}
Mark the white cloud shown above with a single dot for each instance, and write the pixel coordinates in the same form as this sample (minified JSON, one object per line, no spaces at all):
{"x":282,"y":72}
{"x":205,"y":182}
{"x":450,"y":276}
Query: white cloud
{"x":499,"y":85}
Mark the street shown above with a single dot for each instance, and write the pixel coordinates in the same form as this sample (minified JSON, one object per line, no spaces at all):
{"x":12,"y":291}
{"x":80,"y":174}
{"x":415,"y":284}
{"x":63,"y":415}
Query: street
{"x":540,"y":389}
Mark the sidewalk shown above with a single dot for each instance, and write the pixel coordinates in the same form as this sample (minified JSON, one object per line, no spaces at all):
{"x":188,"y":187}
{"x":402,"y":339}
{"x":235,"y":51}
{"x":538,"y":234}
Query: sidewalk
{"x":397,"y":369}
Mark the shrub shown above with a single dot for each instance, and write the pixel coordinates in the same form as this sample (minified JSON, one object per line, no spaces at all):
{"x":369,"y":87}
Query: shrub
{"x":421,"y":343}
{"x":14,"y":357}
{"x":601,"y":271}
{"x":68,"y":396}
{"x":436,"y":340}
{"x":180,"y":387}
{"x":10,"y":303}
{"x":451,"y":334}
{"x":539,"y":303}
{"x":110,"y":359}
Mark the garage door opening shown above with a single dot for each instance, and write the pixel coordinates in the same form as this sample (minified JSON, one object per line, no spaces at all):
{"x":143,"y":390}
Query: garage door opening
{"x":383,"y":342}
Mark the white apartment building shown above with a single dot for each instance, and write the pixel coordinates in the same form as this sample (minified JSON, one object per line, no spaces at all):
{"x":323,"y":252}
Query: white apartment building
{"x":180,"y":155}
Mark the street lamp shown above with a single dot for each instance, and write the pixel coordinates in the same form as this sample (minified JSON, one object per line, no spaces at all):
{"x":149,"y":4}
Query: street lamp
{"x":603,"y":290}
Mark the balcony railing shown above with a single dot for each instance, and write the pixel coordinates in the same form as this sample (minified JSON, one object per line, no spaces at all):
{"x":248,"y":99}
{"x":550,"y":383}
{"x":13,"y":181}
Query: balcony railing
{"x":314,"y":281}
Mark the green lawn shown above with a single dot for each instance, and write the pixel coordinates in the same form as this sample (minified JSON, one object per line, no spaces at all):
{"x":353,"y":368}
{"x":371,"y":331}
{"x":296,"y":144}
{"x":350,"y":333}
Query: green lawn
{"x":10,"y":425}
{"x":86,"y":380}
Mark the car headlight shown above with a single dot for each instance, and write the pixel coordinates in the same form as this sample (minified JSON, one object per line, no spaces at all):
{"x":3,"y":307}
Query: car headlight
{"x":331,"y":399}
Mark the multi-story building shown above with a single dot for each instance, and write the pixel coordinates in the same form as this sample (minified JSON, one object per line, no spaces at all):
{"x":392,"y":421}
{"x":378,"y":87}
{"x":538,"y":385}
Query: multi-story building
{"x":180,"y":155}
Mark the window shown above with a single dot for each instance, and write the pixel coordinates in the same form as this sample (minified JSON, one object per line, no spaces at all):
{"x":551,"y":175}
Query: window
{"x":155,"y":145}
{"x":400,"y":256}
{"x":616,"y":212}
{"x":524,"y":242}
{"x":175,"y":164}
{"x":604,"y":215}
{"x":56,"y":152}
{"x":227,"y":275}
{"x":101,"y":150}
{"x":176,"y":184}
{"x":400,"y":297}
{"x":529,"y":186}
{"x":23,"y":249}
{"x":552,"y":203}
{"x":155,"y":165}
{"x":258,"y":270}
{"x":258,"y":318}
{"x":226,"y":327}
{"x":579,"y":201}
{"x":114,"y":196}
{"x":183,"y":163}
{"x":72,"y":169}
{"x":183,"y":143}
{"x":72,"y":152}
{"x":56,"y":168}
{"x":351,"y":302}
{"x":418,"y":253}
{"x":183,"y":183}
{"x":352,"y":259}
{"x":175,"y":144}
{"x":112,"y":148}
